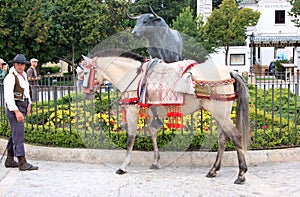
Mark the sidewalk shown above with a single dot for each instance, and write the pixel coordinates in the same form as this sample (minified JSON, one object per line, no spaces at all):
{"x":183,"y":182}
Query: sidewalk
{"x":64,"y":179}
{"x":144,"y":159}
{"x":85,"y":172}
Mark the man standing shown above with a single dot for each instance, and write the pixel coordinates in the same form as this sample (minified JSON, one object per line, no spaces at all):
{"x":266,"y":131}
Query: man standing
{"x":80,"y":74}
{"x":33,"y":78}
{"x":3,"y":70}
{"x":18,"y":105}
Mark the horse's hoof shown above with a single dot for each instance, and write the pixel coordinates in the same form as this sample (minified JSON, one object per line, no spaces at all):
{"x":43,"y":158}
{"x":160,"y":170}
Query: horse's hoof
{"x":240,"y":180}
{"x":154,"y":167}
{"x":120,"y":172}
{"x":211,"y":174}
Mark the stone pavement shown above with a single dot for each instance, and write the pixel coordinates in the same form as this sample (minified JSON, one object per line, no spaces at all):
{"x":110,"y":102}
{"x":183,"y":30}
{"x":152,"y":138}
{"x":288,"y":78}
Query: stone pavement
{"x":78,"y":179}
{"x":85,"y":172}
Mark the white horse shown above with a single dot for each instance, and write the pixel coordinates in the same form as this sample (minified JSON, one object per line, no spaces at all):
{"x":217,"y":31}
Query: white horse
{"x":120,"y":68}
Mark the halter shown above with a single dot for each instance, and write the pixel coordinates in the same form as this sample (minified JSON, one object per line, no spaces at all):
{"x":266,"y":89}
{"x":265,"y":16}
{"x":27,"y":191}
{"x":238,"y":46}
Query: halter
{"x":89,"y":81}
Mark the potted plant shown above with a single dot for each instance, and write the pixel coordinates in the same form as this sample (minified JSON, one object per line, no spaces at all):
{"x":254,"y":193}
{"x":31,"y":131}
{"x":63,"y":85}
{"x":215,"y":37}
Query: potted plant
{"x":279,"y":69}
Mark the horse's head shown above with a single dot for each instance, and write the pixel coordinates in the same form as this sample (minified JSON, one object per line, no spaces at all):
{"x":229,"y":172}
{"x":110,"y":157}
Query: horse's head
{"x":91,"y":63}
{"x":117,"y":66}
{"x":93,"y":76}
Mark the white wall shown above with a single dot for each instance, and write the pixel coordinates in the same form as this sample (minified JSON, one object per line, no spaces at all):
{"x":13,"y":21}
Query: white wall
{"x":267,"y":54}
{"x":219,"y":57}
{"x":266,"y":25}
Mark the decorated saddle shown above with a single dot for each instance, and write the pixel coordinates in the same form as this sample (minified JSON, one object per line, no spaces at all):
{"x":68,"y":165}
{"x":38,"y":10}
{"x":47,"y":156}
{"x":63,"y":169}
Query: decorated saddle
{"x":158,"y":82}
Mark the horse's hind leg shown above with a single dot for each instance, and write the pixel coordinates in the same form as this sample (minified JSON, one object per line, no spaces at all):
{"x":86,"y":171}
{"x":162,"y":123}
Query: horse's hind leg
{"x":236,"y":137}
{"x":217,"y":165}
{"x":153,"y":137}
{"x":237,"y":141}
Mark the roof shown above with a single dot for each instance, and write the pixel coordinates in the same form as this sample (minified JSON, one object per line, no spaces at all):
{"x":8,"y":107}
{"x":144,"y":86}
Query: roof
{"x":260,"y":39}
{"x":275,"y":41}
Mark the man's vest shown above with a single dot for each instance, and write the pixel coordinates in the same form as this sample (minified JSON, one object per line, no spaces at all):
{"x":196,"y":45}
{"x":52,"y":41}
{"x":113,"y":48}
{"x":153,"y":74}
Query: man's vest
{"x":18,"y":90}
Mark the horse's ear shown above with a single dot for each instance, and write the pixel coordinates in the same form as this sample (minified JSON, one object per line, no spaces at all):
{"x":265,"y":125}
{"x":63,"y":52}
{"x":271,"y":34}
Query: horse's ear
{"x":87,"y":60}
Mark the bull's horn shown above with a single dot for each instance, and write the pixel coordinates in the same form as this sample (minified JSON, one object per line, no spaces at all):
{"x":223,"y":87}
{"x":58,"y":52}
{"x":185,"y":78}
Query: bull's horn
{"x":132,"y":17}
{"x":153,"y":11}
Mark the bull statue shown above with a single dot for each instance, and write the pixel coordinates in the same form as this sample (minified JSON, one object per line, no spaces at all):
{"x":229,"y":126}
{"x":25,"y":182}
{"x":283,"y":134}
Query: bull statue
{"x":163,"y":42}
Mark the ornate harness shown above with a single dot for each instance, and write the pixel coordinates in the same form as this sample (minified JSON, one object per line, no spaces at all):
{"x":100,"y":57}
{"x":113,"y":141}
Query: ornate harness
{"x":203,"y":90}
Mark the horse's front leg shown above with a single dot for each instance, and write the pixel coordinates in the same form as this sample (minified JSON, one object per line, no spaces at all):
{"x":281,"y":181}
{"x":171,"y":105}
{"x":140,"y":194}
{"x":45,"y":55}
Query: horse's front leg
{"x":217,"y":165}
{"x":132,"y":118}
{"x":130,"y":143}
{"x":153,"y":137}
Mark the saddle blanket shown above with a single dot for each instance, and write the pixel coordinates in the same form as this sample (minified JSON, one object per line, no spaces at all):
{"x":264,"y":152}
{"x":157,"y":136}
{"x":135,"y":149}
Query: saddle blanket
{"x":159,"y":80}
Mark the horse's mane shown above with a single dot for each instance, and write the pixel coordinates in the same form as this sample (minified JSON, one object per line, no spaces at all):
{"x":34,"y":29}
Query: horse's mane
{"x":118,"y":53}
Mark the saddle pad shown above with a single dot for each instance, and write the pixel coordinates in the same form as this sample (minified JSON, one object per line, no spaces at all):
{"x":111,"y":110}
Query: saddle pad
{"x":158,"y":84}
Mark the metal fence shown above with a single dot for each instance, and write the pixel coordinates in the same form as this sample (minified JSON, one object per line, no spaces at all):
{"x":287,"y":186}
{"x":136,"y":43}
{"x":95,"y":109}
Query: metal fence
{"x":61,"y":105}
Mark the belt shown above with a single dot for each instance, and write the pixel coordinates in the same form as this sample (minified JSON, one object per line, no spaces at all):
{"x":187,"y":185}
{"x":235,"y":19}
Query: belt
{"x":22,"y":103}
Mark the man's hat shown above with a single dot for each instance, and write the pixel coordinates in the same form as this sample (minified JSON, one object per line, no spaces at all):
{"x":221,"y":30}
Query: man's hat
{"x":20,"y":58}
{"x":34,"y":60}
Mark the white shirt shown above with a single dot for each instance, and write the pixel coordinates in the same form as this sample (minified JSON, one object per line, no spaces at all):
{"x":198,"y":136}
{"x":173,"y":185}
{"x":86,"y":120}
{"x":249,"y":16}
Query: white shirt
{"x":80,"y":72}
{"x":9,"y":84}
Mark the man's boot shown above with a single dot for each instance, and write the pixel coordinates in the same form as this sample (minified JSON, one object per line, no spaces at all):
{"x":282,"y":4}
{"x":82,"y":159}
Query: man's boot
{"x":23,"y":165}
{"x":10,"y":162}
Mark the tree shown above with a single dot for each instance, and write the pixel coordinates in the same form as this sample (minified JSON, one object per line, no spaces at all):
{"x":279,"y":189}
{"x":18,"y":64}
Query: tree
{"x":226,"y":25}
{"x":190,"y":29}
{"x":76,"y":24}
{"x":295,"y":12}
{"x":57,"y":29}
{"x":24,"y":28}
{"x":168,"y":10}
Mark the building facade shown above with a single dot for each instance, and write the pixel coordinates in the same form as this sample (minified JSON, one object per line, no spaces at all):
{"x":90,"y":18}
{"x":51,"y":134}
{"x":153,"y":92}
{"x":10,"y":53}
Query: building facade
{"x":274,"y":37}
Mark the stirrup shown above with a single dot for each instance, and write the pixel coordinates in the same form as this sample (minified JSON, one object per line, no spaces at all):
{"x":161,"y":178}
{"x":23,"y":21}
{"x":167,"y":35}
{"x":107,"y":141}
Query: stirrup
{"x":156,"y":122}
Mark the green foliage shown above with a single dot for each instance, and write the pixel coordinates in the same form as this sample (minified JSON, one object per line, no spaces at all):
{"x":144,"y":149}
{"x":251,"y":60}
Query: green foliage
{"x":168,"y":10}
{"x":267,"y":130}
{"x":24,"y":28}
{"x":226,"y":25}
{"x":37,"y":27}
{"x":285,"y":108}
{"x":191,"y":31}
{"x":49,"y":69}
{"x":47,"y":136}
{"x":278,"y":66}
{"x":295,"y":12}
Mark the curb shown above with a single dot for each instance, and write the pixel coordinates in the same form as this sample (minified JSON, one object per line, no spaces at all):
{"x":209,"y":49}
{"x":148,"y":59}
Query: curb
{"x":142,"y":159}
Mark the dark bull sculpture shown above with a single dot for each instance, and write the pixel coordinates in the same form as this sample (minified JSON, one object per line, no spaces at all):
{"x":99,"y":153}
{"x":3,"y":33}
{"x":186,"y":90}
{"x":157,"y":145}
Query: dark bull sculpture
{"x":163,"y":42}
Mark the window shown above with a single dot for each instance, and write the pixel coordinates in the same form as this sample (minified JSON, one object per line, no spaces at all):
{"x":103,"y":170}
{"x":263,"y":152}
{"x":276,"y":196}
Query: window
{"x":279,"y":16}
{"x":237,"y":59}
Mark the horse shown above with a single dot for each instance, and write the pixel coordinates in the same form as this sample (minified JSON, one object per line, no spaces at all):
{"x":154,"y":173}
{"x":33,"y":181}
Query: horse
{"x":122,"y":70}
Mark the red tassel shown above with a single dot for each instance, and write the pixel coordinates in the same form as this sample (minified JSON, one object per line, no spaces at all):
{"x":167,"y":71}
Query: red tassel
{"x":175,"y":117}
{"x":124,"y":119}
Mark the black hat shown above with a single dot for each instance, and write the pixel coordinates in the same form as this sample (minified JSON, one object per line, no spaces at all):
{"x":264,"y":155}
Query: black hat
{"x":20,"y":58}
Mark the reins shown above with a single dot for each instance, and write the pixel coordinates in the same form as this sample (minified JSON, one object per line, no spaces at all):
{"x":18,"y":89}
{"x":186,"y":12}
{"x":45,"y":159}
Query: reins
{"x":139,"y":70}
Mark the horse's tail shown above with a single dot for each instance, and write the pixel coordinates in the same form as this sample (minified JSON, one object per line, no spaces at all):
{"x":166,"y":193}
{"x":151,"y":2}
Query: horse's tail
{"x":242,"y":109}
